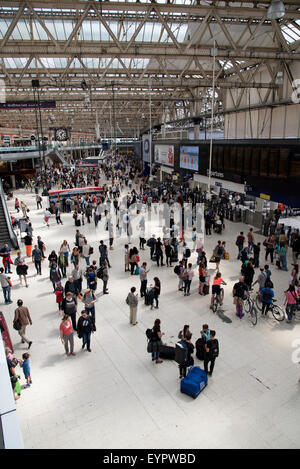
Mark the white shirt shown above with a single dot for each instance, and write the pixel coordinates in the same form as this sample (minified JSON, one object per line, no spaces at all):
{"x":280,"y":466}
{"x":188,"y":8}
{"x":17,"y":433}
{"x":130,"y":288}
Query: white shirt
{"x":85,"y":250}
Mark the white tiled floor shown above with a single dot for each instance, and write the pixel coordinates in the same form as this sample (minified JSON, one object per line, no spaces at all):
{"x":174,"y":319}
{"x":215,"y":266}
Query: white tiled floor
{"x":116,"y":397}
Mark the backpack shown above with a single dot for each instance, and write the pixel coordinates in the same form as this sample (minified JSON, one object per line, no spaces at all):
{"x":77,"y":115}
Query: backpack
{"x":239,"y":291}
{"x":180,"y":352}
{"x":187,"y":252}
{"x":220,"y":251}
{"x":267,"y":296}
{"x":149,"y":334}
{"x":215,"y":348}
{"x":177,"y":269}
{"x":239,"y":241}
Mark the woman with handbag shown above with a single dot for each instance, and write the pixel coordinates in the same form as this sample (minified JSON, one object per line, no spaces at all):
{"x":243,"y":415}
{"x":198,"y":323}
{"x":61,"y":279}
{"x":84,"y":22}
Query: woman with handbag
{"x":155,"y":342}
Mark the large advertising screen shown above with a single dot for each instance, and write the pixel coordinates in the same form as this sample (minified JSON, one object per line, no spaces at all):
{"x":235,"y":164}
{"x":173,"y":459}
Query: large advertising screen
{"x":164,"y":154}
{"x":189,"y":158}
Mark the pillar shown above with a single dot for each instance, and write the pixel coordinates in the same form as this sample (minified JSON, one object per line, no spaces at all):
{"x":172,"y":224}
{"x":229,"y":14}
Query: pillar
{"x":259,"y":204}
{"x":13,"y":181}
{"x":196,"y":132}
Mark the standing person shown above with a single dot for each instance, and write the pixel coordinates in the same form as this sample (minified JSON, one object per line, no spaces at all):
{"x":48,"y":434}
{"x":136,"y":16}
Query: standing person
{"x":250,"y":237}
{"x":77,"y":278}
{"x":25,"y":365}
{"x":89,"y":301}
{"x":218,"y":254}
{"x":282,"y":255}
{"x":188,"y":275}
{"x":240,"y":243}
{"x":105,"y":277}
{"x":86,"y":248}
{"x":238,"y":292}
{"x":59,"y":293}
{"x":267,"y":295}
{"x":66,"y":335}
{"x":92,"y":277}
{"x":62,"y":264}
{"x":270,"y":246}
{"x":28,"y":244}
{"x":143,"y":279}
{"x":47,"y":215}
{"x":54,"y":275}
{"x":151,"y":243}
{"x":69,"y":307}
{"x":23,"y":316}
{"x":155,"y":341}
{"x":249,"y":274}
{"x":189,"y":361}
{"x":103,"y":254}
{"x":37,"y":259}
{"x":159,"y":252}
{"x":133,"y":259}
{"x":85,"y":326}
{"x":169,"y":252}
{"x":24,"y":209}
{"x":70,"y":286}
{"x":290,"y":302}
{"x":155,"y":292}
{"x":6,"y":286}
{"x":211,"y":353}
{"x":41,"y":246}
{"x":38,"y":201}
{"x":22,"y":268}
{"x":132,"y":301}
{"x":256,"y":252}
{"x":65,"y":249}
{"x":126,"y":259}
{"x":261,"y":279}
{"x":17,"y":205}
{"x":58,"y":214}
{"x":5,"y":254}
{"x":202,"y":277}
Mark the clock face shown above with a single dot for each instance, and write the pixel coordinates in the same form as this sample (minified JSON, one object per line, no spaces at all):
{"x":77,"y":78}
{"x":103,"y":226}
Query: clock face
{"x":61,"y":134}
{"x":146,"y":145}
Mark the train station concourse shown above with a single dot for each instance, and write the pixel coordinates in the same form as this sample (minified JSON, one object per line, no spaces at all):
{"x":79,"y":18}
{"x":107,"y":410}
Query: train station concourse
{"x":149,"y":226}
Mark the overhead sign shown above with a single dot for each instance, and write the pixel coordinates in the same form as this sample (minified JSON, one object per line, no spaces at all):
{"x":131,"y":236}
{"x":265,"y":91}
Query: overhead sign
{"x":189,"y":158}
{"x":164,"y":154}
{"x":28,"y":105}
{"x":264,"y":196}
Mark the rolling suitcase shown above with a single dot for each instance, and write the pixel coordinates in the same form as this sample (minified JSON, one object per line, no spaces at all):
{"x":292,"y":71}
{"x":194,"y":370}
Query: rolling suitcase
{"x":77,"y":222}
{"x":167,"y":352}
{"x":194,"y":383}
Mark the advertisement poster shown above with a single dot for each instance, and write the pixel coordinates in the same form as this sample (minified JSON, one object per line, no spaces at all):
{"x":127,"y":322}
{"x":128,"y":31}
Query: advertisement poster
{"x":146,"y":148}
{"x":164,"y":154}
{"x":189,"y":158}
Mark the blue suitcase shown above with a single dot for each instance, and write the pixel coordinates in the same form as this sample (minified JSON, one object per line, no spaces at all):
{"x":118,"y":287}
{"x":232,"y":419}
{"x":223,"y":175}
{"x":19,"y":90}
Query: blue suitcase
{"x":194,"y":383}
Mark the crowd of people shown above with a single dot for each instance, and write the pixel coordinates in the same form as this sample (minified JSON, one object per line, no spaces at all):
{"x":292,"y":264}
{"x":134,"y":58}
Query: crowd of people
{"x":126,"y":196}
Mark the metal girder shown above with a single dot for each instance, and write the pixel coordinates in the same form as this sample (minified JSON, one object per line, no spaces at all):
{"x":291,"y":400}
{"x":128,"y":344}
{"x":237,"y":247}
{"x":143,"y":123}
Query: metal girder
{"x":92,"y":49}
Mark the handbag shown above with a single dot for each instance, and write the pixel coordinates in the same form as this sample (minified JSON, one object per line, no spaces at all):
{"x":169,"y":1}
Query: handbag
{"x":17,"y":324}
{"x":150,"y":347}
{"x":226,"y":256}
{"x":212,"y":259}
{"x":91,"y":250}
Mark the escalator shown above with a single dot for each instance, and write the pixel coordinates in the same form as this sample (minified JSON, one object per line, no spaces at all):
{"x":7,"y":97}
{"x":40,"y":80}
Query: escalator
{"x":7,"y":234}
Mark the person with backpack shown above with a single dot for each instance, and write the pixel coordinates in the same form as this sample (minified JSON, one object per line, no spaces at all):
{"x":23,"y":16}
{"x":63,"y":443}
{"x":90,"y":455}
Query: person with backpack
{"x":290,"y":302}
{"x":188,"y":359}
{"x":132,"y":301}
{"x":187,"y":277}
{"x":89,"y":301}
{"x":201,"y":342}
{"x":154,"y":344}
{"x":240,"y":243}
{"x":267,"y":295}
{"x":218,"y":254}
{"x":211,"y":353}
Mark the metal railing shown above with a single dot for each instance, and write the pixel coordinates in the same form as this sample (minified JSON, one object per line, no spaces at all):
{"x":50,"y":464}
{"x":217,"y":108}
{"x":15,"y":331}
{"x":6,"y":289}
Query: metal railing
{"x":12,"y":235}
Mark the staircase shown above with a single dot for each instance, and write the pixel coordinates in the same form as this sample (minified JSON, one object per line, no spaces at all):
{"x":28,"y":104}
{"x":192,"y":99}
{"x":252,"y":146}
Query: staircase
{"x":7,"y":234}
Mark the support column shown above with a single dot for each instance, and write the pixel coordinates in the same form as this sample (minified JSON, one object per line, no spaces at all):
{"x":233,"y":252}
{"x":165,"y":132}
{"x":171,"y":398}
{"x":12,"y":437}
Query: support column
{"x":259,"y":204}
{"x":13,"y":181}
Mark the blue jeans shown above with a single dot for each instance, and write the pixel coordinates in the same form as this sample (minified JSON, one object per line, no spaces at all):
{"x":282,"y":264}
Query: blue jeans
{"x":91,"y":311}
{"x":283,"y":261}
{"x":86,"y":339}
{"x":87,"y":260}
{"x":6,"y":293}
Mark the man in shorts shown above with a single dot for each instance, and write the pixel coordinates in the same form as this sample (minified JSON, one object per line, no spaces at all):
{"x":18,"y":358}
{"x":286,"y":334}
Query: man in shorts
{"x":238,"y":292}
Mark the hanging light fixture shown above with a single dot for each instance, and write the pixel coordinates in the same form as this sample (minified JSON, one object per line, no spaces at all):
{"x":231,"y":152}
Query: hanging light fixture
{"x":276,"y":10}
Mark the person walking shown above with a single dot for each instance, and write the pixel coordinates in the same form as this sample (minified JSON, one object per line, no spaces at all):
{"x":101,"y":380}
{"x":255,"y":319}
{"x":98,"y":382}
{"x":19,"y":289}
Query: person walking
{"x":282,"y":255}
{"x":155,"y":292}
{"x":37,"y":259}
{"x":256,"y":252}
{"x":86,"y":249}
{"x":211,"y":352}
{"x":267,"y":295}
{"x":77,"y":278}
{"x":269,"y":243}
{"x":65,"y":249}
{"x":250,"y":237}
{"x":22,"y":315}
{"x":240,"y":243}
{"x":17,"y":205}
{"x":143,"y":279}
{"x":69,"y":307}
{"x":38,"y":202}
{"x":62,"y":263}
{"x":126,"y":258}
{"x":58,"y":214}
{"x":22,"y":268}
{"x":89,"y":301}
{"x":132,"y":301}
{"x":6,"y":286}
{"x":47,"y":215}
{"x":85,"y":326}
{"x":41,"y":246}
{"x":159,"y":252}
{"x":290,"y":302}
{"x":187,"y":277}
{"x":103,"y":254}
{"x":67,"y":335}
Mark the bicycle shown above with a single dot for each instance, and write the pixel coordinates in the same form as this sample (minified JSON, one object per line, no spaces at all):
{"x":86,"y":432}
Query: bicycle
{"x":278,"y":312}
{"x":250,"y":310}
{"x":216,"y":302}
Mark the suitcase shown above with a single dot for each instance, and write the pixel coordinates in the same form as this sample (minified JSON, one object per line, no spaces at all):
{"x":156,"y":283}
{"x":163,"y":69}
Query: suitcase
{"x":148,"y":297}
{"x":77,"y":222}
{"x":167,"y":352}
{"x":205,"y":289}
{"x":194,"y":383}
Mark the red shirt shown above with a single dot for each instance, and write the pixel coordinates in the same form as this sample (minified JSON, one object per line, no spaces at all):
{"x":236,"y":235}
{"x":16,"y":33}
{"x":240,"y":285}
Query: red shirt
{"x":66,"y":327}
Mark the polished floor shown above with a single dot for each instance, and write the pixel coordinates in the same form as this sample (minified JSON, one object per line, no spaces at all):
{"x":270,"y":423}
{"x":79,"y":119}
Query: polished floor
{"x":116,"y":397}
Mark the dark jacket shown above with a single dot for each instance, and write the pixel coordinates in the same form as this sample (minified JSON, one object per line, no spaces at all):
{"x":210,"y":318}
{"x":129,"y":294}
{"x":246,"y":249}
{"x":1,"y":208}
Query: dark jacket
{"x":90,"y":327}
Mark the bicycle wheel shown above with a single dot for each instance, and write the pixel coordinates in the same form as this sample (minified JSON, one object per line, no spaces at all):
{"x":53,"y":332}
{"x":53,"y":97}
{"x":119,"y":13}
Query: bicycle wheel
{"x":215,"y":304}
{"x":278,"y":313}
{"x":258,"y":302}
{"x":247,"y":305}
{"x":253,"y":315}
{"x":222,"y":294}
